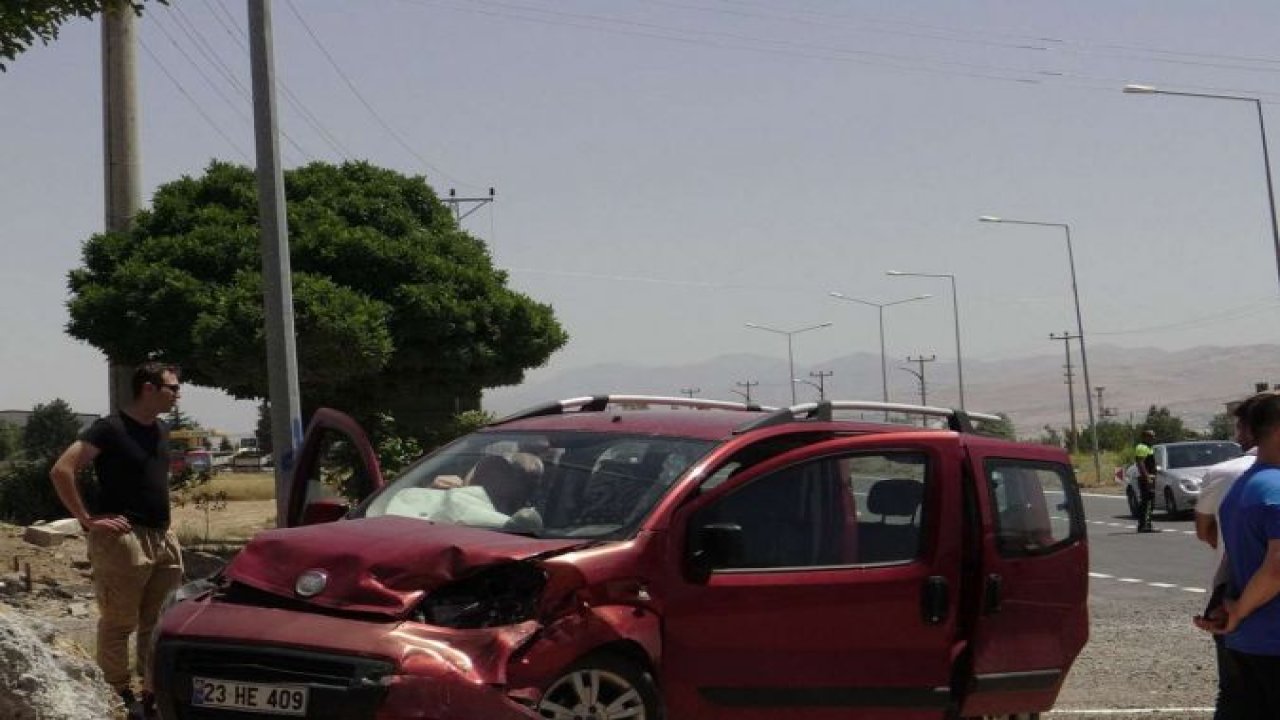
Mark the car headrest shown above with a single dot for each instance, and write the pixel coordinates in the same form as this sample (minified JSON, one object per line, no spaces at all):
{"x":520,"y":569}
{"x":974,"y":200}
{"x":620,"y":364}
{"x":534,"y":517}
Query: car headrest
{"x":895,"y":496}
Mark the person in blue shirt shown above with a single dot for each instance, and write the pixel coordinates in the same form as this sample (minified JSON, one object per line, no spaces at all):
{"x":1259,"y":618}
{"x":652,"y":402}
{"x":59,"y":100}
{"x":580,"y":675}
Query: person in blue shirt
{"x":1250,"y":520}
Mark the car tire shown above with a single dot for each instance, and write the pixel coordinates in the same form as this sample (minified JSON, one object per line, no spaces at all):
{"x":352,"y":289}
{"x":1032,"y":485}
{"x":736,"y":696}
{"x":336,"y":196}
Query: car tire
{"x":1171,"y":504}
{"x":604,"y":686}
{"x":1133,"y":502}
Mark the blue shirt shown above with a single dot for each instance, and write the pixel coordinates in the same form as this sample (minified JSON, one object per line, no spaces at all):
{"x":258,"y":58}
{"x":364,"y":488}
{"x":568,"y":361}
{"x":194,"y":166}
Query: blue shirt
{"x":1250,"y":517}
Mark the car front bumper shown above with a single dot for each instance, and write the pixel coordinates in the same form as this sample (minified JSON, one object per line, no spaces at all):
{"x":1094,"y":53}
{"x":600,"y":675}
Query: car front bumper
{"x":353,"y":669}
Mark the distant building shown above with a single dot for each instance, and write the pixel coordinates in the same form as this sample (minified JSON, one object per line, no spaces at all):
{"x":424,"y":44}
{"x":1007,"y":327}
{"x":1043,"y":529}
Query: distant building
{"x":19,"y":418}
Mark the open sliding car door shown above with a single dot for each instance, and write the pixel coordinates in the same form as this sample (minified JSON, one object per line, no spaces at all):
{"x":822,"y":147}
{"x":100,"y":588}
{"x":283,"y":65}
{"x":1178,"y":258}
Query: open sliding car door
{"x":838,"y":598}
{"x":336,"y":468}
{"x":1032,"y":617}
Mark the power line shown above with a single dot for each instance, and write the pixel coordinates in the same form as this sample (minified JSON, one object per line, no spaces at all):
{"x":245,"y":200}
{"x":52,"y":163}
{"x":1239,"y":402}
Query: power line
{"x":736,"y":42}
{"x":236,"y":107}
{"x":236,"y":34}
{"x":359,"y":96}
{"x":199,"y":110}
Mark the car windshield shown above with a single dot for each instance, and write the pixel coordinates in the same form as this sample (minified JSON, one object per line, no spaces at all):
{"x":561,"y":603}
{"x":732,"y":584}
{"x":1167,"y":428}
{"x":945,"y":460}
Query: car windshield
{"x":565,"y":484}
{"x":1201,"y":454}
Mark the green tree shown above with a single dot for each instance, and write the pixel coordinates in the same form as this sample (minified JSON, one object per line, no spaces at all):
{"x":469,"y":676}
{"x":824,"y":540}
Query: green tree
{"x":262,"y":430}
{"x":1112,"y":436}
{"x":1050,"y":436}
{"x":49,"y":430}
{"x":23,"y":22}
{"x":396,"y":309}
{"x":1167,"y":426}
{"x":1222,"y":427}
{"x":10,"y":440}
{"x":178,"y":420}
{"x":1002,"y":428}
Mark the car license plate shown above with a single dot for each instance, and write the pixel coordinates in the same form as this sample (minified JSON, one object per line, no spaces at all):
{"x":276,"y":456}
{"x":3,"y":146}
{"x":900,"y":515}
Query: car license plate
{"x":251,"y":697}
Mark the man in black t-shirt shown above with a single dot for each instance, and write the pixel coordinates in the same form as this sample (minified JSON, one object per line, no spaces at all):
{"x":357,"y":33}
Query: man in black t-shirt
{"x":135,"y":557}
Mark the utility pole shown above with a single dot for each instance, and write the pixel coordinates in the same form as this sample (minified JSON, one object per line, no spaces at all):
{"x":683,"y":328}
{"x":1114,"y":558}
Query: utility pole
{"x":474,"y":204}
{"x":746,"y":386}
{"x":1066,"y":337}
{"x":920,"y":361}
{"x":277,"y":284}
{"x":122,"y":171}
{"x":822,"y":376}
{"x":690,"y":392}
{"x":1103,"y":410}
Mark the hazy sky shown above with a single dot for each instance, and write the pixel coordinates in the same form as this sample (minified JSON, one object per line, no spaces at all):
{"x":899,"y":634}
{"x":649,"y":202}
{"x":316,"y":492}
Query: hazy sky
{"x":668,"y":170}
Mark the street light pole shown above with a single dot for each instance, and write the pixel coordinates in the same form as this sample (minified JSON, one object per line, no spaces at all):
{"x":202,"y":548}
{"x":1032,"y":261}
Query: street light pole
{"x":791,"y":360}
{"x":1262,"y":128}
{"x":884,"y":363}
{"x":955,"y":312}
{"x":1075,"y":294}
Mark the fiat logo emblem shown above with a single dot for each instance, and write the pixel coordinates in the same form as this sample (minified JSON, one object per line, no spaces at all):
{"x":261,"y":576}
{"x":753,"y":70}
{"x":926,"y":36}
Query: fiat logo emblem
{"x":311,"y":583}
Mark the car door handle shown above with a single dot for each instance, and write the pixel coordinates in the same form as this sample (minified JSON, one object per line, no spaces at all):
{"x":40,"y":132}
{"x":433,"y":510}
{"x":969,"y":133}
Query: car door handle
{"x":992,"y":594}
{"x":934,"y":600}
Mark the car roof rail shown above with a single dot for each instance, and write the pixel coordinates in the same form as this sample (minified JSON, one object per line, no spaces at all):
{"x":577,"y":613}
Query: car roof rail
{"x":957,"y":420}
{"x":598,"y":403}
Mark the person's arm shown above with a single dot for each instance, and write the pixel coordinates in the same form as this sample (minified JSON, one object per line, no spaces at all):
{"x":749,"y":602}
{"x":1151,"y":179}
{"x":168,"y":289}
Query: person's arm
{"x":74,"y":459}
{"x":1262,"y":587}
{"x":1207,"y":529}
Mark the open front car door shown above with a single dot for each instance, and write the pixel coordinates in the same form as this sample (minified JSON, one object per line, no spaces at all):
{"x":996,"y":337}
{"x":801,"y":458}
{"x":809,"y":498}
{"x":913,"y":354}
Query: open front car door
{"x":336,"y":469}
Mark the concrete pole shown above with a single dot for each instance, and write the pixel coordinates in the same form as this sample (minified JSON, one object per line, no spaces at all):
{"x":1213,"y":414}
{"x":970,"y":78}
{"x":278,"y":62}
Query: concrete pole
{"x":122,"y":169}
{"x":282,"y":363}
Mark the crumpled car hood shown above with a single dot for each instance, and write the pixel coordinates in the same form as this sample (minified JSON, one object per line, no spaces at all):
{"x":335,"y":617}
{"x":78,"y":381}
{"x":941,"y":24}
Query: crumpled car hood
{"x":378,"y":565}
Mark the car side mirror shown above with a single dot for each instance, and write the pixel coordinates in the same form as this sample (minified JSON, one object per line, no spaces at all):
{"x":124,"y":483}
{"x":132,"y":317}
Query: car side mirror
{"x":719,"y":545}
{"x":323,"y":511}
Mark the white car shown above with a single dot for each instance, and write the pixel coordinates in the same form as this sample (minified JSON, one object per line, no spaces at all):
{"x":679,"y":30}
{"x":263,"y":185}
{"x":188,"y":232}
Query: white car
{"x":1180,"y":467}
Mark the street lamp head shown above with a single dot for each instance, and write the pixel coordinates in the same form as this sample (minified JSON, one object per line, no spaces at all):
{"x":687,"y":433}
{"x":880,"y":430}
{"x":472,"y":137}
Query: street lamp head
{"x":1140,"y":89}
{"x":894,"y":272}
{"x":842,"y":296}
{"x":990,"y":218}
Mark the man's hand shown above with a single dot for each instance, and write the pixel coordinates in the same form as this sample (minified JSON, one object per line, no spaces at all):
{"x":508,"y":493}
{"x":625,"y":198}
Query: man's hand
{"x":1229,"y":618}
{"x":118,"y":524}
{"x":446,"y":482}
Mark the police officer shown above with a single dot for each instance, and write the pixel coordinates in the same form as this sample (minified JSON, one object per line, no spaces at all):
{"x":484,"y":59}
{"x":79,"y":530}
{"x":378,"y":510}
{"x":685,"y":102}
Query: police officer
{"x":1145,"y":458}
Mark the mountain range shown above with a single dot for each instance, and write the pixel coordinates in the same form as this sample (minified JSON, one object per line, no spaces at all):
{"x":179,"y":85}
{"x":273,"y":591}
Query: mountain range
{"x":1193,"y":383}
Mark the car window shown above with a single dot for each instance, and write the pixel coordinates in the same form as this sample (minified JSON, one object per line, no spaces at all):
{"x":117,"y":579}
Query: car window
{"x":1036,"y":505}
{"x":1201,"y":454}
{"x":557,"y":484}
{"x":835,"y":511}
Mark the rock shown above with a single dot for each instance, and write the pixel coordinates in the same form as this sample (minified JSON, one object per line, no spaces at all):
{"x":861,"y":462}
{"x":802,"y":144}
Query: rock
{"x":39,"y":680}
{"x":41,"y":536}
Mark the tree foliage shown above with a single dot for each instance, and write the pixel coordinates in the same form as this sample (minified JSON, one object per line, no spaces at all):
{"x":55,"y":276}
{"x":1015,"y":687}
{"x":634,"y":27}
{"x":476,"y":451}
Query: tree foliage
{"x":1167,"y":426}
{"x":50,"y":428}
{"x":396,"y":309}
{"x":10,"y":440}
{"x":1002,"y":428}
{"x":1222,"y":427}
{"x":23,"y":22}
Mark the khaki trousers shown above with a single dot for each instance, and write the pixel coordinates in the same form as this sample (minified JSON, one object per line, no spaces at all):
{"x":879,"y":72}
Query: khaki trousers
{"x":133,"y":573}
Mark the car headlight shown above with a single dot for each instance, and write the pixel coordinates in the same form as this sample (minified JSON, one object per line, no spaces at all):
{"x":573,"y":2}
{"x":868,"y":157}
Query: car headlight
{"x":503,"y":595}
{"x":195,"y":588}
{"x":1189,"y":484}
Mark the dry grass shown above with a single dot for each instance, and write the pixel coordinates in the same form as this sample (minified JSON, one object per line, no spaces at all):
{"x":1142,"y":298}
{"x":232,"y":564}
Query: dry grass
{"x":243,"y":486}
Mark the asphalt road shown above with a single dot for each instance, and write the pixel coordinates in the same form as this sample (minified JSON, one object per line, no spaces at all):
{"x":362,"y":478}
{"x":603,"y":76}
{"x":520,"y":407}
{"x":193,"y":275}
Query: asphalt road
{"x":1123,"y":563}
{"x":1144,"y":658}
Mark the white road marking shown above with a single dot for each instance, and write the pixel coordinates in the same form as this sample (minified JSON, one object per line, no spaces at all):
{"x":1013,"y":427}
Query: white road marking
{"x":1131,"y":711}
{"x":1135,"y":581}
{"x":1108,"y":496}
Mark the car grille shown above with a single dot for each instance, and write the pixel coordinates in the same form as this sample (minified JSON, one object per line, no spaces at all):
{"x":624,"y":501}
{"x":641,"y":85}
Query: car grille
{"x":341,"y":686}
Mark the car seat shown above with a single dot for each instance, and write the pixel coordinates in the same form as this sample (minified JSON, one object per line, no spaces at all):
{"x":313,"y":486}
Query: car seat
{"x":896,"y":536}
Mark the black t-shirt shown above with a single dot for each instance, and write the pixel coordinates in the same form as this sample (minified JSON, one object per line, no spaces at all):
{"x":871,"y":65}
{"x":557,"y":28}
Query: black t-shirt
{"x":133,"y":469}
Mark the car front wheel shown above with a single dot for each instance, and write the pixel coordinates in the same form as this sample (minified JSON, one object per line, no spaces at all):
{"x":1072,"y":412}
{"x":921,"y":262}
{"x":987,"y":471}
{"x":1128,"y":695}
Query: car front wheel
{"x":602,"y":687}
{"x":1171,"y":503}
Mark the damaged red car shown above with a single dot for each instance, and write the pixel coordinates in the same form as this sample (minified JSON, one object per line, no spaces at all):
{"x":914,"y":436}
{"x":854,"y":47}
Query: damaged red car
{"x":635,"y":557}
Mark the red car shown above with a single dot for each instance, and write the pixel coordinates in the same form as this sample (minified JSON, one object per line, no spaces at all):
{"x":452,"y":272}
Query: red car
{"x":647,"y":558}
